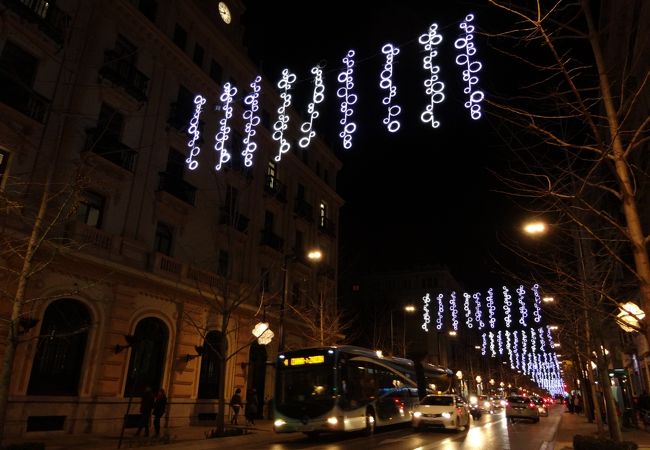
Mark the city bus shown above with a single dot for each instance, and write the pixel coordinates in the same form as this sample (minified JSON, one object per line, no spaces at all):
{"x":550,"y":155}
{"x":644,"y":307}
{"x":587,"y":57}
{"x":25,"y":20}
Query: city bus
{"x":347,"y":388}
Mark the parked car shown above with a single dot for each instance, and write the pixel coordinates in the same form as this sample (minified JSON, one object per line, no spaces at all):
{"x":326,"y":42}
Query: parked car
{"x":520,"y":407}
{"x":442,"y":411}
{"x":542,"y":407}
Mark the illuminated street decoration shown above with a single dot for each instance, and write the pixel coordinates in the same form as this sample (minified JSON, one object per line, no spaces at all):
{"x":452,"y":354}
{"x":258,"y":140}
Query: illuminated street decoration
{"x":542,"y":342}
{"x":252,"y":120}
{"x":484,"y":344}
{"x":506,"y":306}
{"x":425,"y":315}
{"x":223,"y":135}
{"x":433,"y":87}
{"x":537,"y":314}
{"x":471,"y":68}
{"x":441,"y":312}
{"x":281,"y":125}
{"x":509,"y":349}
{"x":453,"y":308}
{"x":318,"y":96}
{"x":500,"y":342}
{"x":386,"y":83}
{"x":195,"y":132}
{"x":533,"y":340}
{"x":492,"y":351}
{"x":263,"y":333}
{"x":491,"y":308}
{"x":468,"y":311}
{"x":348,"y":98}
{"x":478,"y":315}
{"x":515,"y":348}
{"x":523,"y":311}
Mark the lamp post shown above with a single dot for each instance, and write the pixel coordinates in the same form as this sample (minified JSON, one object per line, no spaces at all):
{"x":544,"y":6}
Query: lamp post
{"x":478,"y":385}
{"x":409,"y":309}
{"x":459,"y":375}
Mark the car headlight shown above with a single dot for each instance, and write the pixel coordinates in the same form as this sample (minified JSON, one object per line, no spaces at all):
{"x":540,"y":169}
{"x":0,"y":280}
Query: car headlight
{"x":417,"y":414}
{"x":279,"y":423}
{"x":332,"y":420}
{"x":446,"y":415}
{"x":486,"y":404}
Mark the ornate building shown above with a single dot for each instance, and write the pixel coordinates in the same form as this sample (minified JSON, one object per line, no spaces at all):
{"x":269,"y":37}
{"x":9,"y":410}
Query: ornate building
{"x":142,"y":261}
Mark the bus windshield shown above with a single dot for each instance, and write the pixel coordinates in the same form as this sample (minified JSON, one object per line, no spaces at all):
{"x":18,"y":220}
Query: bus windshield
{"x":304,"y":388}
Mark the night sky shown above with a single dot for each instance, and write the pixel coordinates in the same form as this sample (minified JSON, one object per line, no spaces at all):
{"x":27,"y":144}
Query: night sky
{"x":419,"y":196}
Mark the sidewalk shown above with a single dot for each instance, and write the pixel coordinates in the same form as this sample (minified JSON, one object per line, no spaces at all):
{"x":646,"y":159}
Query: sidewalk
{"x":572,"y":424}
{"x":181,"y":438}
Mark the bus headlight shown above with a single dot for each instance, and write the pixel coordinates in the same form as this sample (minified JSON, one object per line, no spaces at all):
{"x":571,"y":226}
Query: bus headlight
{"x":332,"y":420}
{"x":279,"y":423}
{"x":446,"y":415}
{"x":417,"y":414}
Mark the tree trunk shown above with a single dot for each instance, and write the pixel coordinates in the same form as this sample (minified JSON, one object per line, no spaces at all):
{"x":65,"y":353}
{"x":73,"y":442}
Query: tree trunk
{"x":613,"y":423}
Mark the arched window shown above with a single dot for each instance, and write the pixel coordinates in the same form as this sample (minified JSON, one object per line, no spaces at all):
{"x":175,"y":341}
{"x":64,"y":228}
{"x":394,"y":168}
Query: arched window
{"x":60,"y":349}
{"x":211,"y":366}
{"x":257,"y":373}
{"x":147,"y":362}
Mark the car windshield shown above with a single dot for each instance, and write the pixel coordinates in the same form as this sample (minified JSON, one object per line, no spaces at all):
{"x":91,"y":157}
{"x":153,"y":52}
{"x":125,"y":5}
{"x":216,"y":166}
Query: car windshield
{"x":519,"y":400}
{"x":438,"y":400}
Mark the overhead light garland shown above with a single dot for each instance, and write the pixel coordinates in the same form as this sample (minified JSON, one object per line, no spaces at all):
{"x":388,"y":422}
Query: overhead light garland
{"x":425,"y":313}
{"x":348,"y":98}
{"x":318,"y":96}
{"x":471,"y":68}
{"x":281,"y":125}
{"x":441,"y":312}
{"x":252,"y":120}
{"x":454,"y":311}
{"x":386,"y":83}
{"x":434,"y":88}
{"x":523,"y":311}
{"x":223,"y":135}
{"x":195,"y":131}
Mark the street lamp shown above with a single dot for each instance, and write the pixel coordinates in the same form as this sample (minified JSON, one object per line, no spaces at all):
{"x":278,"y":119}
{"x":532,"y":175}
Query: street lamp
{"x":534,"y":228}
{"x":312,"y":255}
{"x":630,"y":316}
{"x":459,"y":375}
{"x":407,"y":309}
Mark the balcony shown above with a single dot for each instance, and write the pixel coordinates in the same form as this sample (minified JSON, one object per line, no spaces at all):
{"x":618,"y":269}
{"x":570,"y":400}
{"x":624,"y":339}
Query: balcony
{"x":45,"y":14}
{"x":122,"y":72}
{"x":275,"y":188}
{"x":303,"y":209}
{"x":327,"y":226}
{"x":177,"y":187}
{"x":21,"y":97}
{"x":109,"y":147}
{"x":270,"y":239}
{"x":229,"y":217}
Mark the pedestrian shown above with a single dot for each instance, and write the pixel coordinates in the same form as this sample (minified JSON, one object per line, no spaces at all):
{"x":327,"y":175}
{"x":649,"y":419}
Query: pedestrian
{"x":146,"y":406}
{"x":577,"y":404}
{"x":251,"y":406}
{"x":235,"y":405}
{"x":159,"y":409}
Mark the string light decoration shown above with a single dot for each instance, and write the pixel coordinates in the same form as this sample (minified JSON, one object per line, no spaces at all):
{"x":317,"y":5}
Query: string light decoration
{"x":223,"y":134}
{"x":425,"y":314}
{"x":492,"y":351}
{"x":506,"y":307}
{"x":386,"y":83}
{"x":491,"y":308}
{"x":515,"y":348}
{"x":348,"y":98}
{"x":252,"y":120}
{"x":318,"y":96}
{"x":434,"y":88}
{"x":453,"y":308}
{"x":195,"y":132}
{"x":500,"y":342}
{"x":478,"y":316}
{"x":542,"y":342}
{"x":468,"y":312}
{"x":281,"y":125}
{"x":441,"y":312}
{"x":471,"y":68}
{"x":484,"y":344}
{"x":509,"y":349}
{"x":523,"y":310}
{"x":533,"y":340}
{"x":537,"y":313}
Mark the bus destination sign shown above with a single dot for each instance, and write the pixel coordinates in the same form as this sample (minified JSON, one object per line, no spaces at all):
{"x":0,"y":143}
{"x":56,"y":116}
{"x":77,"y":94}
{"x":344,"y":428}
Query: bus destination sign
{"x":305,"y":360}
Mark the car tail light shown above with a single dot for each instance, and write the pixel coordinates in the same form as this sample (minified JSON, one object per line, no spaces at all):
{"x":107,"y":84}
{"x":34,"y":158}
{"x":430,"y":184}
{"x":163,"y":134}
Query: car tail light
{"x":531,"y":405}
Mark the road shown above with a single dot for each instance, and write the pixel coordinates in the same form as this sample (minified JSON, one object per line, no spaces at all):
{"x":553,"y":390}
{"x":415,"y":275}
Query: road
{"x":491,"y":432}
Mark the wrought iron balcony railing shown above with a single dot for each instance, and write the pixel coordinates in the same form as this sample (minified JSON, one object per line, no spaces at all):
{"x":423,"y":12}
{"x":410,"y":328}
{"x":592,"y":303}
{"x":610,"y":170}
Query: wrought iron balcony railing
{"x":45,"y":14}
{"x":270,"y":239}
{"x":276,"y":188}
{"x":237,"y":220}
{"x":177,"y":187}
{"x":122,"y":72}
{"x":108,"y":146}
{"x":21,"y":97}
{"x":303,"y":209}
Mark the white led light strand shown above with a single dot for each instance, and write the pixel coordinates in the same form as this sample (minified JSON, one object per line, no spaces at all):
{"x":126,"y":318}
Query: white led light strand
{"x":492,"y":351}
{"x":317,"y":97}
{"x":483,"y":344}
{"x":386,"y":83}
{"x":478,"y":315}
{"x":281,"y":125}
{"x":195,"y":132}
{"x":223,"y":135}
{"x":348,"y":98}
{"x":509,"y":349}
{"x":433,"y":87}
{"x":425,"y":315}
{"x":468,"y":312}
{"x":537,"y":314}
{"x":491,"y":308}
{"x":515,"y":348}
{"x":533,"y":340}
{"x":523,"y":311}
{"x":542,"y":341}
{"x":506,"y":306}
{"x":500,"y":342}
{"x":252,"y":120}
{"x":453,"y":308}
{"x":471,"y":67}
{"x":441,"y":312}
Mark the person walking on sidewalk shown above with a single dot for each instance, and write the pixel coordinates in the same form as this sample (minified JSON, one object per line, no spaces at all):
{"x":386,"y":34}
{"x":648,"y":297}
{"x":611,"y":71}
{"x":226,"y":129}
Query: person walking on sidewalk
{"x":159,"y":408}
{"x":235,"y":405}
{"x":251,"y":406}
{"x":146,"y":405}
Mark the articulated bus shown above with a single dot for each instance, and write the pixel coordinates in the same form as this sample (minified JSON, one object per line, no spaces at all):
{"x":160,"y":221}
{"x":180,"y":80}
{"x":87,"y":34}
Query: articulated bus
{"x":346,"y":388}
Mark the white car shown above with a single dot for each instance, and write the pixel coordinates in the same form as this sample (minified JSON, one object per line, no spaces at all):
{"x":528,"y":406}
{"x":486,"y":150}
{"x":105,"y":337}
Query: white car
{"x":442,"y":411}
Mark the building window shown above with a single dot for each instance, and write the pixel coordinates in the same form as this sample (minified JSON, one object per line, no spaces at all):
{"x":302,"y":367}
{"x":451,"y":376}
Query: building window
{"x":216,"y":71}
{"x":4,"y":162}
{"x":198,"y":55}
{"x":60,"y":349}
{"x":175,"y":164}
{"x":147,"y":8}
{"x":91,"y":209}
{"x":21,"y":65}
{"x":180,"y":37}
{"x":322,"y":214}
{"x":210,"y":377}
{"x":271,"y":174}
{"x":164,"y":239}
{"x":125,"y":50}
{"x":224,"y":263}
{"x":109,"y":123}
{"x":147,"y":362}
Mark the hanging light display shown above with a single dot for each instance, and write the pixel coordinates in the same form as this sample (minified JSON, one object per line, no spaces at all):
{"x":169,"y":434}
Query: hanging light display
{"x":537,"y":313}
{"x":348,"y":98}
{"x":252,"y":120}
{"x":425,"y":312}
{"x":318,"y":96}
{"x":507,"y":307}
{"x":434,"y":88}
{"x":223,"y":134}
{"x":478,"y":313}
{"x":454,"y":311}
{"x":470,"y":67}
{"x":468,"y":311}
{"x":441,"y":312}
{"x":195,"y":132}
{"x":386,"y":83}
{"x":281,"y":125}
{"x":491,"y":308}
{"x":523,"y":310}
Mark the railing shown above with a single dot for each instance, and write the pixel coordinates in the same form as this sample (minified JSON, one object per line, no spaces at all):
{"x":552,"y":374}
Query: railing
{"x":201,"y":276}
{"x":276,"y":188}
{"x":177,"y":187}
{"x":49,"y":18}
{"x":108,"y":146}
{"x":304,"y":209}
{"x":270,"y":239}
{"x":236,"y":220}
{"x":87,"y":235}
{"x":123,"y":73}
{"x":21,"y":97}
{"x":167,"y":265}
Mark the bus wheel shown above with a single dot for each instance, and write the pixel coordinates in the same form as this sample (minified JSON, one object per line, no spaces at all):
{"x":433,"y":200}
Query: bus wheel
{"x":370,"y":422}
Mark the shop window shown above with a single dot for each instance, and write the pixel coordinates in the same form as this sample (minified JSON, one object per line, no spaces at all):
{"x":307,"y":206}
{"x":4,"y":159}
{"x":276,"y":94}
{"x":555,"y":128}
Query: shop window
{"x":147,"y":362}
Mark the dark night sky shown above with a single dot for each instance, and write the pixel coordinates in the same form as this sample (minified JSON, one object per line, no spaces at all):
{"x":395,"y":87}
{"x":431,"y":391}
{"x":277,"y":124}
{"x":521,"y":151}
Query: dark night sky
{"x":420,"y":196}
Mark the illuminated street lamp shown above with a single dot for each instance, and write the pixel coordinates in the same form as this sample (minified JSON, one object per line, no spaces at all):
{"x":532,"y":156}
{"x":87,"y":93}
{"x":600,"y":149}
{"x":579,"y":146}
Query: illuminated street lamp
{"x":548,"y":299}
{"x":535,"y":228}
{"x":630,"y":316}
{"x":407,"y":309}
{"x":478,"y":384}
